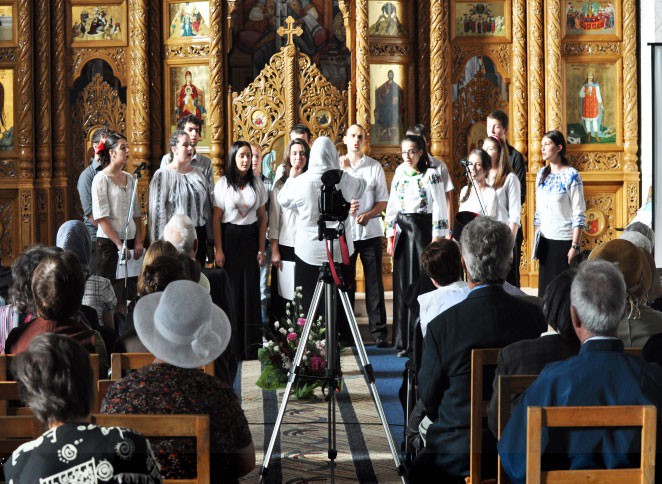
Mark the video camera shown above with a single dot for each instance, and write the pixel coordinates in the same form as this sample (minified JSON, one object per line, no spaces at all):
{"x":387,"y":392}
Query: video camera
{"x":332,"y":205}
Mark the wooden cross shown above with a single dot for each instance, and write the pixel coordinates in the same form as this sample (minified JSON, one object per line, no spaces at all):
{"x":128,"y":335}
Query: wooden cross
{"x":290,"y":31}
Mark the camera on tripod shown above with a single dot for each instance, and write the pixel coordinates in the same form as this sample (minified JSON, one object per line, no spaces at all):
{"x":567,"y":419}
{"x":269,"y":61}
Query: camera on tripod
{"x":332,"y":205}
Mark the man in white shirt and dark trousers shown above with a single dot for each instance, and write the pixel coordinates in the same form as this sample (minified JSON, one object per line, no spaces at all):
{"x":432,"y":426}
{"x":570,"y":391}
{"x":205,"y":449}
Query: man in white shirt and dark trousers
{"x":366,"y":229}
{"x":205,"y":235}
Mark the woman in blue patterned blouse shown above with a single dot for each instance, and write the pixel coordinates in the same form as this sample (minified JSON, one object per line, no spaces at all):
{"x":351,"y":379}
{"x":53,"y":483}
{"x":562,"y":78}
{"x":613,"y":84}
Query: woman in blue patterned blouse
{"x":415,"y":216}
{"x":560,"y":210}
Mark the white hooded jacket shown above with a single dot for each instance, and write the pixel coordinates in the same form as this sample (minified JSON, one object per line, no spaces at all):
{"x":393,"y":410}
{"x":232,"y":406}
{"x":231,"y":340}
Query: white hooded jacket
{"x":302,"y":194}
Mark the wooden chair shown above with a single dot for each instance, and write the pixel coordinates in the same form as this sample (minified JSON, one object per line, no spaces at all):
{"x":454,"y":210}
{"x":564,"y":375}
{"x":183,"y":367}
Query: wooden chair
{"x":480,"y":359}
{"x":102,"y":390}
{"x":608,"y":416}
{"x":16,"y":430}
{"x":5,"y":364}
{"x":509,"y":386}
{"x":132,"y":361}
{"x":166,"y":426}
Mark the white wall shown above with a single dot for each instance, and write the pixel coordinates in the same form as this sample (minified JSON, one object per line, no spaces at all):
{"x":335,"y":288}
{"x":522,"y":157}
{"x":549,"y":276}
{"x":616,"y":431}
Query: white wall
{"x":650,"y":31}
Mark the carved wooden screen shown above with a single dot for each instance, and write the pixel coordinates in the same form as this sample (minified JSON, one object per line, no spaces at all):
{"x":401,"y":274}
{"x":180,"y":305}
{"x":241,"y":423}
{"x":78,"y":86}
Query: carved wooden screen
{"x":289,"y":90}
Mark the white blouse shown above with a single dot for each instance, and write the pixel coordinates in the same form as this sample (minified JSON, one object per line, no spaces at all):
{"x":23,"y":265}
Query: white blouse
{"x":282,"y":221}
{"x":172,"y":192}
{"x":488,"y":197}
{"x":239,"y":206}
{"x":111,"y":201}
{"x":418,"y":193}
{"x":560,"y":204}
{"x":510,"y":201}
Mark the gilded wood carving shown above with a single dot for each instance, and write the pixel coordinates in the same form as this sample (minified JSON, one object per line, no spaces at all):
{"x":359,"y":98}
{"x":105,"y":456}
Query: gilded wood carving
{"x":536,"y":87}
{"x":25,"y":93}
{"x":423,"y":54}
{"x":519,"y":112}
{"x":115,"y":57}
{"x":60,"y":108}
{"x":217,"y":71}
{"x":43,"y":90}
{"x":553,"y":82}
{"x":362,"y":67}
{"x":138,"y":85}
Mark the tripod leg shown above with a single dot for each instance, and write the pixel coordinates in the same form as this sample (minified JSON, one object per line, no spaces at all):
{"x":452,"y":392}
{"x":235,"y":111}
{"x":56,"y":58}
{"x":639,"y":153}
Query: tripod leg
{"x":332,"y":365}
{"x":369,"y":375}
{"x":294,"y":370}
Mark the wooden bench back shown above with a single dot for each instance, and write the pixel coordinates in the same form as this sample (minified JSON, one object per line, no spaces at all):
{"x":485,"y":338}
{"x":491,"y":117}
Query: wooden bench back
{"x":120,"y":362}
{"x":608,"y":416}
{"x":166,"y":426}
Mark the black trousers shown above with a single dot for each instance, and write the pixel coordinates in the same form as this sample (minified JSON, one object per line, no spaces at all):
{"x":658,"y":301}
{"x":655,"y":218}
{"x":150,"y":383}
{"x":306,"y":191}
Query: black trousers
{"x":201,"y":254}
{"x":371,"y":257}
{"x":306,"y":276}
{"x":513,"y":275}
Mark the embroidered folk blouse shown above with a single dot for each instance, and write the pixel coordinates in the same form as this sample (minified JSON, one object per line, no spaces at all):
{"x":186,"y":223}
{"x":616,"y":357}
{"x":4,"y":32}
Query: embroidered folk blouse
{"x":111,"y":201}
{"x":239,"y":206}
{"x":560,"y":204}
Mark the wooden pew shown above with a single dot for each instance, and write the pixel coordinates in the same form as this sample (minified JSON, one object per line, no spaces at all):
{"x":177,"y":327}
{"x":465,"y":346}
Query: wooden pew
{"x":608,"y":416}
{"x":120,"y":362}
{"x":165,"y":426}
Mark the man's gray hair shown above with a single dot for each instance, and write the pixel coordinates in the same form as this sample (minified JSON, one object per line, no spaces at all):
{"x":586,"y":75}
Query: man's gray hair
{"x":598,"y":295}
{"x":180,"y":232}
{"x":487,"y":249}
{"x":644,"y":230}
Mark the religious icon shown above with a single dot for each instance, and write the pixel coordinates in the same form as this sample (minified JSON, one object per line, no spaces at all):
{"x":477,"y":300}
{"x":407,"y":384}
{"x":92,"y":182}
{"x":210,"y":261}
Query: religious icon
{"x":6,"y":23}
{"x":6,"y":109}
{"x":388,"y":108}
{"x":188,"y":20}
{"x":98,"y":24}
{"x":485,"y":19}
{"x":595,"y":222}
{"x":590,"y":109}
{"x":592,"y":18}
{"x":387,"y":22}
{"x":190,"y":99}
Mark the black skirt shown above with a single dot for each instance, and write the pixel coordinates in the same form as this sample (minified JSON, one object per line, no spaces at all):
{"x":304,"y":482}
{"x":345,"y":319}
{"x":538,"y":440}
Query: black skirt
{"x":277,"y":302}
{"x":240,"y":246}
{"x":553,"y":260}
{"x":414,"y":235}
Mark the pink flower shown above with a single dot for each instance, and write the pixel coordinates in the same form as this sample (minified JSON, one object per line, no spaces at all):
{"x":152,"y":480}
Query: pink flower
{"x":317,"y":363}
{"x":301,"y":322}
{"x":291,"y":337}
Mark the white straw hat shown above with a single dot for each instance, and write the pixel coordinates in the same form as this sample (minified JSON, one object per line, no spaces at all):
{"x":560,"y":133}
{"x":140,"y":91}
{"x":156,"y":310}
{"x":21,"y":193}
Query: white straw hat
{"x":181,"y":325}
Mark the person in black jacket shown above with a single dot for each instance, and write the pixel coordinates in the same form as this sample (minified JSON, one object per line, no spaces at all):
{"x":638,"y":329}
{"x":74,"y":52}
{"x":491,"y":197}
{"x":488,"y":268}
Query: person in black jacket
{"x":488,"y":318}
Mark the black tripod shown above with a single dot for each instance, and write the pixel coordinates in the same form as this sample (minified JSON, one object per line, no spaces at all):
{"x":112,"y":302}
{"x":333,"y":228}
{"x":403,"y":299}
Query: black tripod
{"x":327,"y":284}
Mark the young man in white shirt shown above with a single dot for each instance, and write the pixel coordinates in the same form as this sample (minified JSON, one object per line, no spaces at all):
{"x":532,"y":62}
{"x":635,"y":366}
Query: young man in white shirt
{"x":366,"y":229}
{"x":193,"y":126}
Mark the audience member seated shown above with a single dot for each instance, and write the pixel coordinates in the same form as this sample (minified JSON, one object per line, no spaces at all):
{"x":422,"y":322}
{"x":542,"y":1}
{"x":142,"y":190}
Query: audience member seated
{"x":21,"y":307}
{"x":58,"y":285}
{"x":643,"y":229}
{"x":652,"y":350}
{"x":5,"y":282}
{"x":99,"y":294}
{"x":487,"y":318}
{"x":442,"y":263}
{"x":601,"y":374}
{"x":180,"y":232}
{"x":185,"y":330}
{"x":56,"y":381}
{"x":154,"y":277}
{"x":640,"y":321}
{"x":529,"y":356}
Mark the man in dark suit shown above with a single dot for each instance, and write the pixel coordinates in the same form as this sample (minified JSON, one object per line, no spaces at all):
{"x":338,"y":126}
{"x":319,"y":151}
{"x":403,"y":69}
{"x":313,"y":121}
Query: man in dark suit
{"x":488,"y":318}
{"x":601,"y":374}
{"x":529,"y":356}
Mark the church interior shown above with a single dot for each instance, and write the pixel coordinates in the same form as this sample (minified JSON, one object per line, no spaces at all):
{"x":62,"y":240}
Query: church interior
{"x":252,"y":70}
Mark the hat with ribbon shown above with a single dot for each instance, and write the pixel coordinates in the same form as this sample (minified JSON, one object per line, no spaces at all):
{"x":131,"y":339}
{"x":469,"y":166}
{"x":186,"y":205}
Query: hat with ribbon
{"x":181,"y":325}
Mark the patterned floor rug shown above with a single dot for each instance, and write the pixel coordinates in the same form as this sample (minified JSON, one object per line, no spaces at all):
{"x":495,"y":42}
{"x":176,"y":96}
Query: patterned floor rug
{"x":363,"y":451}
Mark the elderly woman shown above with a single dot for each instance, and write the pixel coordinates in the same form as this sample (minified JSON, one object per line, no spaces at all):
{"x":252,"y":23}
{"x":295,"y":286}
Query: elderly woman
{"x":58,"y":285}
{"x":55,"y":380}
{"x":21,"y":310}
{"x":180,"y":188}
{"x":185,"y":330}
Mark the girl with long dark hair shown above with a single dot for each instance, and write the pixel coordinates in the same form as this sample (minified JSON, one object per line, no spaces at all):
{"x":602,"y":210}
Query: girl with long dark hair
{"x":282,"y":222}
{"x":240,"y":227}
{"x":415,"y":215}
{"x":560,"y":210}
{"x":484,"y":202}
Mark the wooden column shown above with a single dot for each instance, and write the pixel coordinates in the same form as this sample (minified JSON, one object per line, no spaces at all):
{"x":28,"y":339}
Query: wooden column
{"x":45,"y":219}
{"x":138,"y":86}
{"x":536,"y":84}
{"x":24,"y":132}
{"x":217,"y":77}
{"x":441,"y":113}
{"x":362,"y":69}
{"x":553,"y":66}
{"x":630,"y":110}
{"x":59,"y":108}
{"x":423,"y":47}
{"x":156,"y":113}
{"x":520,"y":113}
